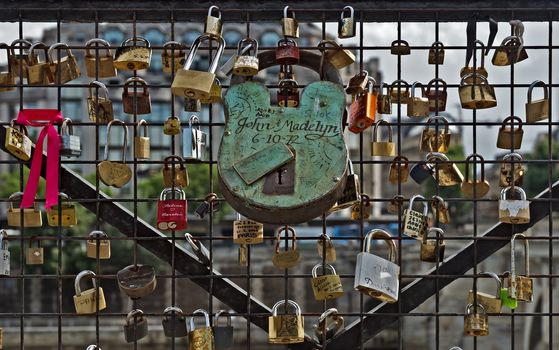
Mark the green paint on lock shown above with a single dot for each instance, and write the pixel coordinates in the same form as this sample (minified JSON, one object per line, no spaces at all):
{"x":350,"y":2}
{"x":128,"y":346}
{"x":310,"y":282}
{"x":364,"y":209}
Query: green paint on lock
{"x":506,"y":300}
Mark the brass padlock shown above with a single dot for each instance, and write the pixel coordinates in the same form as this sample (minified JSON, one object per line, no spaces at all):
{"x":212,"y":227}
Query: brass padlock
{"x":440,"y":210}
{"x":475,"y":323}
{"x":38,"y":71}
{"x":383,"y":148}
{"x":363,"y":109}
{"x":86,"y":302}
{"x":437,"y":97}
{"x":137,"y":281}
{"x":326,"y":249}
{"x":399,"y":170}
{"x":174,"y":172}
{"x":384,"y":101}
{"x":215,"y":94}
{"x":436,"y":53}
{"x":327,"y":286}
{"x":492,"y":303}
{"x":336,"y":55}
{"x":213,"y":24}
{"x":418,"y":106}
{"x":34,"y":255}
{"x":100,"y":108}
{"x":17,"y":142}
{"x":18,"y":61}
{"x":445,"y":171}
{"x":193,"y":83}
{"x":415,"y":222}
{"x":358,"y":83}
{"x":480,"y":70}
{"x":173,"y":56}
{"x":395,"y":205}
{"x":286,"y":328}
{"x":398,"y":95}
{"x":284,"y":259}
{"x":510,"y":52}
{"x":432,"y":250}
{"x":64,"y":69}
{"x":347,"y":24}
{"x":475,"y":188}
{"x":111,"y":173}
{"x":172,"y":126}
{"x":512,"y":172}
{"x":476,"y":96}
{"x":289,"y":25}
{"x":141,"y":143}
{"x":435,"y":139}
{"x":539,"y":109}
{"x":510,"y":137}
{"x":133,"y":57}
{"x":515,"y":210}
{"x":7,"y":80}
{"x":31,"y":216}
{"x":201,"y":338}
{"x":136,"y":102}
{"x":363,"y":209}
{"x":247,"y":64}
{"x":521,"y":287}
{"x":69,"y":217}
{"x":351,"y":193}
{"x":400,"y":47}
{"x":98,"y":238}
{"x":99,"y":64}
{"x":227,"y":68}
{"x":247,"y":231}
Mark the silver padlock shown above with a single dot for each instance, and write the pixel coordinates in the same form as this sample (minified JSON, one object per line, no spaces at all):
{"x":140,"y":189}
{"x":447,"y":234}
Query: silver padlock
{"x":174,"y":323}
{"x":515,"y":210}
{"x":4,"y":254}
{"x":70,"y":145}
{"x":415,"y":222}
{"x":198,"y":248}
{"x":223,"y":335}
{"x":194,"y":141}
{"x":136,"y":326}
{"x":375,"y":276}
{"x":329,"y":323}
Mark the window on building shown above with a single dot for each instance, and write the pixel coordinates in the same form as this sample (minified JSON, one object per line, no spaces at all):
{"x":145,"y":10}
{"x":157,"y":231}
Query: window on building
{"x":156,"y":38}
{"x":232,"y":37}
{"x":114,"y":36}
{"x":269,"y":38}
{"x":189,"y":37}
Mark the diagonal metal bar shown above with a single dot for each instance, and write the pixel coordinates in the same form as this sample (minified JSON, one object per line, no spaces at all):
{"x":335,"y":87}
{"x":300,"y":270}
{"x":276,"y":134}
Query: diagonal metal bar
{"x":418,"y":291}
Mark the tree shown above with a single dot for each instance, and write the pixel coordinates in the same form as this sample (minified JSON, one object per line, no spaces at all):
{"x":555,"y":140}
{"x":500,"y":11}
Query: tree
{"x":536,"y":177}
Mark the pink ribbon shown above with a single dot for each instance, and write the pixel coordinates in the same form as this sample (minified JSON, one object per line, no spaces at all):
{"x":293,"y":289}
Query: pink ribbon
{"x":45,"y":118}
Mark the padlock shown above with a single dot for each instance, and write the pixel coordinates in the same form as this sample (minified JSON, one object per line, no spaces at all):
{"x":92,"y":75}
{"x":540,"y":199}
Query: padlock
{"x":136,"y":102}
{"x":246,"y":64}
{"x":198,"y":249}
{"x":173,"y":56}
{"x":351,"y":193}
{"x":38,"y":72}
{"x":98,"y":238}
{"x":17,"y":142}
{"x":491,"y":303}
{"x":243,"y":255}
{"x":514,"y":211}
{"x":86,"y":302}
{"x":100,"y":63}
{"x":34,"y":255}
{"x":475,"y":188}
{"x":31,"y":216}
{"x":445,"y":171}
{"x":396,"y":205}
{"x":227,"y":68}
{"x":324,"y":245}
{"x":476,"y":323}
{"x":437,"y":95}
{"x":174,"y":323}
{"x":193,"y":83}
{"x":136,"y":326}
{"x":4,"y":254}
{"x":69,"y":216}
{"x":398,"y":95}
{"x":480,"y":70}
{"x":415,"y":222}
{"x":93,"y":347}
{"x":432,"y":250}
{"x":510,"y":52}
{"x":384,"y":101}
{"x":194,"y":141}
{"x":375,"y":276}
{"x":284,"y":259}
{"x":287,"y":52}
{"x":64,"y":69}
{"x":172,"y":126}
{"x":136,"y":281}
{"x":399,"y":170}
{"x":288,"y":93}
{"x":215,"y":94}
{"x":510,"y":137}
{"x":111,"y":173}
{"x":476,"y":96}
{"x":210,"y":204}
{"x":247,"y":231}
{"x":7,"y":80}
{"x":383,"y":148}
{"x":223,"y":335}
{"x":521,"y":287}
{"x":506,"y":300}
{"x":213,"y":24}
{"x":286,"y":328}
{"x":436,"y":53}
{"x":141,"y":143}
{"x":347,"y":24}
{"x":512,"y":172}
{"x":362,"y":111}
{"x":100,"y":108}
{"x":289,"y":25}
{"x":133,"y":57}
{"x":192,"y":105}
{"x":327,"y":286}
{"x":421,"y":171}
{"x":358,"y":83}
{"x":336,"y":54}
{"x":18,"y":62}
{"x":328,"y":325}
{"x":172,"y":213}
{"x":400,"y":47}
{"x":440,"y":210}
{"x":201,"y":338}
{"x":434,"y":139}
{"x":70,"y":144}
{"x":363,"y":209}
{"x":418,"y":106}
{"x":539,"y":109}
{"x":174,"y":173}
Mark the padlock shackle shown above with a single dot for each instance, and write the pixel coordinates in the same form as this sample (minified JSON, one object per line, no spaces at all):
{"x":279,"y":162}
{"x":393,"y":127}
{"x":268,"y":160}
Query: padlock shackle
{"x":377,"y":125}
{"x":174,"y":45}
{"x":496,"y":278}
{"x":197,"y":247}
{"x":34,"y":238}
{"x":143,"y":123}
{"x":136,"y":81}
{"x":327,"y":266}
{"x":438,"y":200}
{"x":517,"y":189}
{"x":194,"y":48}
{"x":285,"y":12}
{"x":386,"y":237}
{"x":166,"y":191}
{"x":56,"y":46}
{"x":4,"y":239}
{"x":251,"y":43}
{"x":381,"y":88}
{"x":80,"y":276}
{"x":287,"y":230}
{"x":98,"y":85}
{"x":67,"y":127}
{"x":476,"y":44}
{"x":33,"y":55}
{"x":511,"y":119}
{"x":100,"y":42}
{"x":471,"y":307}
{"x":172,"y":310}
{"x":482,"y":79}
{"x":425,"y":206}
{"x":396,"y":162}
{"x":435,"y":120}
{"x":439,"y":234}
{"x":433,"y":82}
{"x":436,"y":157}
{"x":135,"y":40}
{"x":399,"y":42}
{"x":22,"y":128}
{"x":472,"y":159}
{"x":535,"y":84}
{"x":125,"y":143}
{"x":351,"y":12}
{"x":23,"y":44}
{"x":289,"y":303}
{"x":180,"y":161}
{"x":93,"y":347}
{"x":437,"y":45}
{"x":97,"y":234}
{"x":194,"y":119}
{"x":414,"y":85}
{"x":330,"y":312}
{"x":514,"y":155}
{"x":17,"y":195}
{"x":399,"y":83}
{"x":199,"y":312}
{"x":210,"y":10}
{"x":211,"y":197}
{"x":326,"y":238}
{"x":225,"y":314}
{"x":134,"y":313}
{"x":513,"y":256}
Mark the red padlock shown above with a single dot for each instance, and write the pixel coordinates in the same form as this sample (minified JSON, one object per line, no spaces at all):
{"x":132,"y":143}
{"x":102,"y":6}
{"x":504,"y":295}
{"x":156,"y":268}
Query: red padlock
{"x":363,"y":109}
{"x":287,"y":52}
{"x":433,"y":92}
{"x":171,"y":213}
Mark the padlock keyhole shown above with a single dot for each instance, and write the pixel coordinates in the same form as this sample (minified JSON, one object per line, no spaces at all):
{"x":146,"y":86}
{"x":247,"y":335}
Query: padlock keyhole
{"x":280,"y":171}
